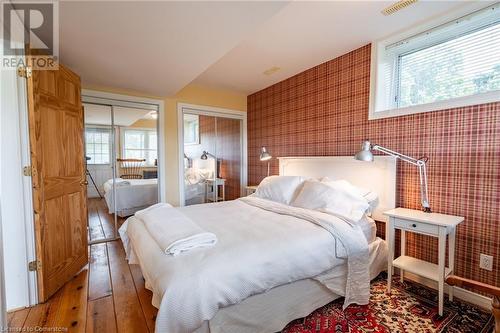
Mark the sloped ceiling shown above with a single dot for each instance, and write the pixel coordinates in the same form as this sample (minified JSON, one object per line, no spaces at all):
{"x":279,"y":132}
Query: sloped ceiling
{"x":155,"y":47}
{"x":306,"y":34}
{"x":159,"y":47}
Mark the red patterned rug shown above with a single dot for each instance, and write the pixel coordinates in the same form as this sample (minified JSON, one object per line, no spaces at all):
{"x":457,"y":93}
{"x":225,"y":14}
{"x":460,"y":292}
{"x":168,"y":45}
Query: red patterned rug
{"x":410,"y":308}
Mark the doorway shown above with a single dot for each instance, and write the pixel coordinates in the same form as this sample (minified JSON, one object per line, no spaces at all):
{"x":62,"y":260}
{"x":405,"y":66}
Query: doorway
{"x":212,"y":143}
{"x":122,"y":163}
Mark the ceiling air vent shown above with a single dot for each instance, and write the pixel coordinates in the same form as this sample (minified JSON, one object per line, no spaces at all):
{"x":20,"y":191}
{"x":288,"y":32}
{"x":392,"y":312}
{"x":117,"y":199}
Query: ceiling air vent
{"x":397,"y":6}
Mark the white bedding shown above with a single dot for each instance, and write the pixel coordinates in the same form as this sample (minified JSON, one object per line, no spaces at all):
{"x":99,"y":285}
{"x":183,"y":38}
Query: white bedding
{"x":257,"y":250}
{"x":131,"y":197}
{"x":194,"y":184}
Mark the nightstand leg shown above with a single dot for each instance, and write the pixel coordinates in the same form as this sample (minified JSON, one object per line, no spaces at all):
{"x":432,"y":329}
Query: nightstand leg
{"x":403,"y":252}
{"x":451,"y":259}
{"x":441,"y":266}
{"x":389,"y":232}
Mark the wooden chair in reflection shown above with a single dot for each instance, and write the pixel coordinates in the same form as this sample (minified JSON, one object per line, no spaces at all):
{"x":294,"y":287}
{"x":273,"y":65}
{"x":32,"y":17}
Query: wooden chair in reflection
{"x":131,"y":168}
{"x":454,"y":280}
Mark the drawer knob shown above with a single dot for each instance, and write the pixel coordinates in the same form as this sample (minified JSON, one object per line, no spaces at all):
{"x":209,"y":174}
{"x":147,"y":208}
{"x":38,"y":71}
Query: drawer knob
{"x":414,"y":225}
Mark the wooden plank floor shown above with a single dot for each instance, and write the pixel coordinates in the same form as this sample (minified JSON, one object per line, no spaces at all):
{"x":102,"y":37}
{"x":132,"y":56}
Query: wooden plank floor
{"x":101,"y":223}
{"x":108,"y":295}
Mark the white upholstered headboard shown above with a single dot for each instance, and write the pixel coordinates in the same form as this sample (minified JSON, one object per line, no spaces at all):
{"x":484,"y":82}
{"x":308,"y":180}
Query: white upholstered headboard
{"x":378,"y":176}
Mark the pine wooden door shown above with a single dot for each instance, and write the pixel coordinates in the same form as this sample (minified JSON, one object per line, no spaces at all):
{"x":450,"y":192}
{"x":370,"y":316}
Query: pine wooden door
{"x":58,"y":173}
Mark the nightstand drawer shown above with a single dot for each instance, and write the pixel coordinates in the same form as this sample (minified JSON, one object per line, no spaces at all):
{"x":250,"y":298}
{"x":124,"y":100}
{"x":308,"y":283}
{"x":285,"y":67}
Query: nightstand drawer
{"x":414,"y":226}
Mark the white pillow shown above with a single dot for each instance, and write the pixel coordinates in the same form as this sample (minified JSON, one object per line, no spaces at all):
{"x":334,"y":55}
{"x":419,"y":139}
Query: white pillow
{"x":335,"y":199}
{"x":369,"y":195}
{"x":281,"y":189}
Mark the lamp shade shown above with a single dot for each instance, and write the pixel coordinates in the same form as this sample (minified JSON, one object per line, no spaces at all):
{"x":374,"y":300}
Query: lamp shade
{"x":365,"y":153}
{"x":264,"y":155}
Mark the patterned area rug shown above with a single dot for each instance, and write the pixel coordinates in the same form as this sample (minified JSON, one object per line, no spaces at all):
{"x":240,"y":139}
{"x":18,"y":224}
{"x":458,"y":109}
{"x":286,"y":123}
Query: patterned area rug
{"x":410,"y":308}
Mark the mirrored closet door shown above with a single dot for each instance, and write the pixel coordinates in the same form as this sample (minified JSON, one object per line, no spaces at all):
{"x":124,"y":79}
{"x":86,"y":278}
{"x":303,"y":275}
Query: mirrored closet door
{"x":212,"y":158}
{"x":122,"y":164}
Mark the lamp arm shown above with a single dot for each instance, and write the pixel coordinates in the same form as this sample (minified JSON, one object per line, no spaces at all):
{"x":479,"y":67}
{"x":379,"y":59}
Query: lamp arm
{"x":422,"y":171}
{"x":423,"y":186}
{"x":209,"y":154}
{"x":395,"y":154}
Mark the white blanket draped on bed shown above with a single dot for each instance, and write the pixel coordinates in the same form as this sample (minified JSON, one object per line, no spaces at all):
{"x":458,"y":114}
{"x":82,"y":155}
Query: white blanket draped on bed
{"x":351,"y":244}
{"x":258,"y":249}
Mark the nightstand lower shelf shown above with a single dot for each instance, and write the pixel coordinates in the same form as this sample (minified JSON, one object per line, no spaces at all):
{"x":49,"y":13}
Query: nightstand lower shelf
{"x":419,"y":267}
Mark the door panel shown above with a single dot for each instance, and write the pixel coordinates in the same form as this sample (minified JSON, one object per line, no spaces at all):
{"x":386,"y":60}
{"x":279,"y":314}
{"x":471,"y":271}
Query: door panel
{"x":59,"y":190}
{"x":229,"y":151}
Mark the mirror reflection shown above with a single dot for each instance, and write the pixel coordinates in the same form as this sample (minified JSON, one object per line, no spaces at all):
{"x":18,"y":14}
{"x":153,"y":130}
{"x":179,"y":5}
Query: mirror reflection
{"x":121,"y":154}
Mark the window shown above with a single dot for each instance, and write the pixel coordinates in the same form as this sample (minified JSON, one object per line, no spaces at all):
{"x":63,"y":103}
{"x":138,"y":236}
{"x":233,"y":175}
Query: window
{"x":450,"y":65}
{"x":98,"y":145}
{"x":191,"y":129}
{"x":141,"y":144}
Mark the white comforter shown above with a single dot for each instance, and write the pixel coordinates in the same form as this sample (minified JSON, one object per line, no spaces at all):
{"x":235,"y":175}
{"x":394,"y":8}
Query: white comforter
{"x":257,"y":249}
{"x":131,"y":193}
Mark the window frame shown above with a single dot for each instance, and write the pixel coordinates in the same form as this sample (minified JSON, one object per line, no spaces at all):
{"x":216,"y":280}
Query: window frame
{"x":139,"y":129}
{"x":385,"y":72}
{"x":195,"y":129}
{"x":110,"y":142}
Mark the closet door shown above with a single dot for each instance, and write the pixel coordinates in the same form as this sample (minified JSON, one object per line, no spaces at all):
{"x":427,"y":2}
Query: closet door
{"x":229,"y":155}
{"x":200,"y":166}
{"x":58,"y":174}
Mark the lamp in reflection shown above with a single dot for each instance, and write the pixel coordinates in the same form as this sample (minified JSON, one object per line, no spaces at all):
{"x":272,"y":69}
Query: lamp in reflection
{"x":205,"y":155}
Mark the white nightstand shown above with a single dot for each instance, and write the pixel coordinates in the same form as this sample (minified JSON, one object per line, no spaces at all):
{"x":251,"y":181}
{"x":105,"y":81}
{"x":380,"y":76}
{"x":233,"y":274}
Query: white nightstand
{"x":212,"y":190}
{"x":251,"y":189}
{"x":432,"y":224}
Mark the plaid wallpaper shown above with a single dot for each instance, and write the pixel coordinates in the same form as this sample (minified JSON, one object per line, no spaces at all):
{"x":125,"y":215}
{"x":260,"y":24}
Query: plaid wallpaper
{"x":323,"y":111}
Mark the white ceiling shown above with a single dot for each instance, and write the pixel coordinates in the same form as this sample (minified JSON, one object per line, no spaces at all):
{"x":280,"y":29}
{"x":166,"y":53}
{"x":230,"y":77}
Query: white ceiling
{"x":159,"y":47}
{"x":101,"y":115}
{"x":305,"y":34}
{"x":154,"y":47}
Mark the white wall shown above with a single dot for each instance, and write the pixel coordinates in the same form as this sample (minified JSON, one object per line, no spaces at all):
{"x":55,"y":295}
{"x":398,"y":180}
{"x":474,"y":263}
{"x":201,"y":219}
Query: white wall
{"x":100,"y":173}
{"x":12,"y":195}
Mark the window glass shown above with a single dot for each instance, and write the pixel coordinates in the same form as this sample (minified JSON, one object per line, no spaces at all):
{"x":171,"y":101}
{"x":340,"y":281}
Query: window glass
{"x":98,"y":145}
{"x":140,"y":144}
{"x":459,"y":67}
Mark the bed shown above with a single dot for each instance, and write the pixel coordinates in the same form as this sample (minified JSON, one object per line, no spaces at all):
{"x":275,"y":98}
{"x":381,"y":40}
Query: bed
{"x":194,"y":184}
{"x":132,"y":195}
{"x":268,"y":267}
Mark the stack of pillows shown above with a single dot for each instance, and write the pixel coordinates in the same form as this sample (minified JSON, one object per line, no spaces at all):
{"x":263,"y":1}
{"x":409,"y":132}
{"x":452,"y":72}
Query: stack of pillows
{"x":339,"y":198}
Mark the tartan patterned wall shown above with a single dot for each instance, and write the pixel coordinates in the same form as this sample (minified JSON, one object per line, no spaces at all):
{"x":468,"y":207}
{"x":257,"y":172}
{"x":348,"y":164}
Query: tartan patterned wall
{"x":323,"y":111}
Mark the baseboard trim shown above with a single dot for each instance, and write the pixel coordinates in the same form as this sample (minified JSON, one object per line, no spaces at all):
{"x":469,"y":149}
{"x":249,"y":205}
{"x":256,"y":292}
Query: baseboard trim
{"x":17,"y":309}
{"x":464,"y":294}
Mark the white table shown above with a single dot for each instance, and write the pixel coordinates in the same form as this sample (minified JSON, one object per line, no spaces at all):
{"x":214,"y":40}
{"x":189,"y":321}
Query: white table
{"x":431,"y":224}
{"x":250,"y":189}
{"x":214,"y":184}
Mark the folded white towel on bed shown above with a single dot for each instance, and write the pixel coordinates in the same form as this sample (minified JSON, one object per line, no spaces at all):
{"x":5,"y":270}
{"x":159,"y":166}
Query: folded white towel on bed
{"x":173,"y":231}
{"x":119,"y":182}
